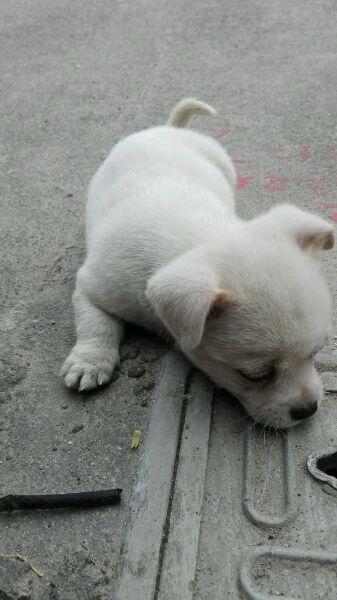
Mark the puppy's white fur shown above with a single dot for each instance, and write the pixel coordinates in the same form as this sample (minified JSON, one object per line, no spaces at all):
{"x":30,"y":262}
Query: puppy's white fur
{"x":166,"y":250}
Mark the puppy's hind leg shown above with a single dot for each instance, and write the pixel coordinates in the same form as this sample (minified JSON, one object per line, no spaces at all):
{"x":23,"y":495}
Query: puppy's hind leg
{"x":96,"y":353}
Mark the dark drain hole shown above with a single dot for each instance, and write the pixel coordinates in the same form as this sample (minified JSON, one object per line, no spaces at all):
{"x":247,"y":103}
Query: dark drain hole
{"x":328,"y":464}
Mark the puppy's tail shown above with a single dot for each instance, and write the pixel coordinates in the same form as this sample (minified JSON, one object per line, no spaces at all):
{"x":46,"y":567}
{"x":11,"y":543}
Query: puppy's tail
{"x":186,"y":108}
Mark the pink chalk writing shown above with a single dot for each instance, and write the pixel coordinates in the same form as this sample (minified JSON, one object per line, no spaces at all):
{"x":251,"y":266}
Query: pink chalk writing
{"x":243,"y":181}
{"x":280,"y":154}
{"x":275,"y":183}
{"x":330,"y":153}
{"x":222,"y":133}
{"x":315,"y":186}
{"x":304,"y":153}
{"x":333,"y":217}
{"x":327,"y":206}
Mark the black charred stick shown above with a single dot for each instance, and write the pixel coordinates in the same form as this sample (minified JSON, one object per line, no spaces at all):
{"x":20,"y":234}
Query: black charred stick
{"x":76,"y":500}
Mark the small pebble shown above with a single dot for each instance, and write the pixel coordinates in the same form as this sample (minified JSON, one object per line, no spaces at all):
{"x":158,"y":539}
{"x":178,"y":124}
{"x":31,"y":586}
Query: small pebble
{"x":4,"y":396}
{"x":144,"y":403}
{"x":129,"y":353}
{"x":150,"y":355}
{"x":115,"y":375}
{"x":54,"y":449}
{"x":137,"y":390}
{"x":77,"y":428}
{"x":238,"y":427}
{"x":148,"y":385}
{"x":136,"y":372}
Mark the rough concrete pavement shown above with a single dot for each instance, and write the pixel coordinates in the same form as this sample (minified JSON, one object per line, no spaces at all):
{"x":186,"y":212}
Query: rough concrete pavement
{"x":76,"y":76}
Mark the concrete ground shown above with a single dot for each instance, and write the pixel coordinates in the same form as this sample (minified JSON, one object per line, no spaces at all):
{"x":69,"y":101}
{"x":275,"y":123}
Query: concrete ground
{"x":77,"y":76}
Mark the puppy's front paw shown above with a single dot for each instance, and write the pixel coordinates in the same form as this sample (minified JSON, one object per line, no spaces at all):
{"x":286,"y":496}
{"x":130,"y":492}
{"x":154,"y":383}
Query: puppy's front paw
{"x":87,"y":368}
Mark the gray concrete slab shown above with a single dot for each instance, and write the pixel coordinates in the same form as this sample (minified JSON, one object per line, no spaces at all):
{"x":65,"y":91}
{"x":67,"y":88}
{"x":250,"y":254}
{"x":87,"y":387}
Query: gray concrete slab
{"x":75,"y":78}
{"x":178,"y":569}
{"x":149,"y":505}
{"x":230,"y":542}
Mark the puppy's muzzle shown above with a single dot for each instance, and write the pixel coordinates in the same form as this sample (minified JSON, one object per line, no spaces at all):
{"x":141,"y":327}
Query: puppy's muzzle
{"x":303,"y":412}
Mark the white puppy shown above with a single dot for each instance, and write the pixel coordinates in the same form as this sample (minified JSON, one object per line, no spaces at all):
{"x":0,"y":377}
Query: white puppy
{"x":243,"y":299}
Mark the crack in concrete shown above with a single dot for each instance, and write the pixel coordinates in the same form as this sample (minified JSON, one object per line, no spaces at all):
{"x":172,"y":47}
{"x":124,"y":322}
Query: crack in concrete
{"x":166,"y":528}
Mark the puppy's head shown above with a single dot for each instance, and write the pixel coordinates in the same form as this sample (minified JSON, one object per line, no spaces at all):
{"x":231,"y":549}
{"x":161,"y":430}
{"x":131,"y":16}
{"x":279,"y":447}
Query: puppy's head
{"x":253,"y":310}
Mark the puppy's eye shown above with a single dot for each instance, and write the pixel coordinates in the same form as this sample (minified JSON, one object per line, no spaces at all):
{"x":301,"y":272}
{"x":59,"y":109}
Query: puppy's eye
{"x":266,"y":375}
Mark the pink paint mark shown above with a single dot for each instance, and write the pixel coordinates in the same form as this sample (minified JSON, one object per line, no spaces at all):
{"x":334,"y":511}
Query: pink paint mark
{"x":222,"y":133}
{"x":243,"y":181}
{"x":275,"y":183}
{"x":238,"y":161}
{"x":304,"y":153}
{"x":334,"y":217}
{"x":327,"y":206}
{"x":279,"y":153}
{"x":316,"y":190}
{"x":330,"y":153}
{"x":315,"y":186}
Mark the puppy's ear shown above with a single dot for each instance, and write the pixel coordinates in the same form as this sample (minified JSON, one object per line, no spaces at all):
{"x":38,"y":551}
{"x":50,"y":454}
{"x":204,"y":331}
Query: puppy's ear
{"x":310,"y":232}
{"x":220,"y":303}
{"x":184,"y":296}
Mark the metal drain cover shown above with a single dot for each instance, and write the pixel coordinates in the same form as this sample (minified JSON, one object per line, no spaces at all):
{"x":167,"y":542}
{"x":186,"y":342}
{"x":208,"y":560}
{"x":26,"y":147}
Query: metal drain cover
{"x":323,"y":466}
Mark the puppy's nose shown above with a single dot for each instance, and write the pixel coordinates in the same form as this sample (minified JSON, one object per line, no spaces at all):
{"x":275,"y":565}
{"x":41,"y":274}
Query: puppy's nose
{"x":303,"y":412}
